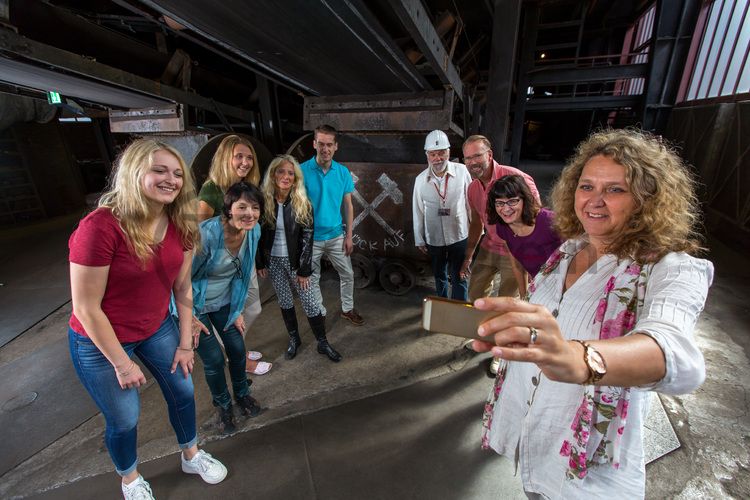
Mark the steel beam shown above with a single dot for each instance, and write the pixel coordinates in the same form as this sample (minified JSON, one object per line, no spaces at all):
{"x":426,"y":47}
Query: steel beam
{"x":108,"y":76}
{"x":269,"y":114}
{"x":417,"y":22}
{"x":673,"y":32}
{"x":153,"y":120}
{"x":530,"y":31}
{"x":505,"y":29}
{"x":582,"y":103}
{"x":32,"y":76}
{"x":553,"y":76}
{"x":387,"y":112}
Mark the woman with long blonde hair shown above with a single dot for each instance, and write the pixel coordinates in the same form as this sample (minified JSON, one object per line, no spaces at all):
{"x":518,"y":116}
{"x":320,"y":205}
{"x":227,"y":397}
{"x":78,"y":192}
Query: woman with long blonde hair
{"x":235,"y":161}
{"x":285,"y":251}
{"x":126,"y":259}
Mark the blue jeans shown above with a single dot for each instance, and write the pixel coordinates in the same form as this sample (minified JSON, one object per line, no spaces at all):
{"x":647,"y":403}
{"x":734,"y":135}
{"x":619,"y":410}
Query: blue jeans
{"x":121,"y":407}
{"x":213,"y":358}
{"x":445,"y":259}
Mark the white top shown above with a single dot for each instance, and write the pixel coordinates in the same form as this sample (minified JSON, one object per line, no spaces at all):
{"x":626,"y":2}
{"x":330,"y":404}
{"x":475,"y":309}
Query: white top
{"x":675,"y":294}
{"x":441,"y":212}
{"x":279,"y":248}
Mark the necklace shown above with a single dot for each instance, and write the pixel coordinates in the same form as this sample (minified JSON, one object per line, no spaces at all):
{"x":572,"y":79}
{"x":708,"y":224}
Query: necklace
{"x":523,"y":230}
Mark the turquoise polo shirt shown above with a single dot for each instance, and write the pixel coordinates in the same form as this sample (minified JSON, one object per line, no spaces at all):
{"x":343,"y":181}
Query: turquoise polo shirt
{"x":326,"y":193}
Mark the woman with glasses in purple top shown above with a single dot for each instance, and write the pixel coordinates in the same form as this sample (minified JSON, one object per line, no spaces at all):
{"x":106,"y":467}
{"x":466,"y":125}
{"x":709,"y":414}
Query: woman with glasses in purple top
{"x":523,"y":224}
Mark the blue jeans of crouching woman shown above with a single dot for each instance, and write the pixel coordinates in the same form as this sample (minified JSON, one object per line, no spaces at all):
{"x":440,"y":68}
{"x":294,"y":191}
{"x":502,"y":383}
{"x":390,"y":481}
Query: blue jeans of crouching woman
{"x":213,"y":358}
{"x":121,"y":407}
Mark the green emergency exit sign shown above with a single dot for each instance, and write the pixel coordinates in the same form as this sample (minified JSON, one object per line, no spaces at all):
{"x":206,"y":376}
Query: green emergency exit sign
{"x":54,"y":97}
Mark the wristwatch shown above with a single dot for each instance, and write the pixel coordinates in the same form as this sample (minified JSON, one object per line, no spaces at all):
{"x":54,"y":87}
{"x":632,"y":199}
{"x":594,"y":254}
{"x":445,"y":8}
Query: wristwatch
{"x":594,"y":361}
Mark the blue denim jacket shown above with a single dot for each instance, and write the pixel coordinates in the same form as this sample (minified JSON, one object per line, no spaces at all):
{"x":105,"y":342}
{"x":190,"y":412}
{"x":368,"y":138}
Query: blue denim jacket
{"x":212,"y":244}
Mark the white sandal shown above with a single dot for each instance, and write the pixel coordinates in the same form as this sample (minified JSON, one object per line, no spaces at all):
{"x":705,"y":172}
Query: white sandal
{"x":261,"y":369}
{"x":254,"y":355}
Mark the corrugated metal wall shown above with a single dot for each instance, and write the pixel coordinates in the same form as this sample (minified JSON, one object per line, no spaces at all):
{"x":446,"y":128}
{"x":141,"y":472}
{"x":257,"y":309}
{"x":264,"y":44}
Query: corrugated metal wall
{"x":716,"y":139}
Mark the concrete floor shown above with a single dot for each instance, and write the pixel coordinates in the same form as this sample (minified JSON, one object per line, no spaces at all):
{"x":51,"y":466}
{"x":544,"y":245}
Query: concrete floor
{"x":397,"y":418}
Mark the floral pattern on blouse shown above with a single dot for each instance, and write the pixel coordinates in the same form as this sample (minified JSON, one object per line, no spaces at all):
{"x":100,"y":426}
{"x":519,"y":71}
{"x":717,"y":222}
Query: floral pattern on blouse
{"x":599,"y":422}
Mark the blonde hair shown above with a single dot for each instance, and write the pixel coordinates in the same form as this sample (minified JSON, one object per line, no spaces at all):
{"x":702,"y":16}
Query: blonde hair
{"x":221,"y":172}
{"x":663,"y":188}
{"x":130,"y":207}
{"x":301,"y":206}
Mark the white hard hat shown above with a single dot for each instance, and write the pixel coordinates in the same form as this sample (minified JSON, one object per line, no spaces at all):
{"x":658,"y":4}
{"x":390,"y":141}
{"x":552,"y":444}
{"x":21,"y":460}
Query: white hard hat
{"x":436,"y":140}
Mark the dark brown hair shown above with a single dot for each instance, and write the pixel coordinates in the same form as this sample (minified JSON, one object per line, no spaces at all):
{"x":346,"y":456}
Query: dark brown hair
{"x":512,"y":186}
{"x":238,"y":191}
{"x":325,"y":129}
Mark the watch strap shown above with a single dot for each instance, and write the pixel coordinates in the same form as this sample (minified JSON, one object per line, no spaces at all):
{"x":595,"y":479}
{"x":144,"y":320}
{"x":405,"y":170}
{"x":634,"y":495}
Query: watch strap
{"x":594,"y":376}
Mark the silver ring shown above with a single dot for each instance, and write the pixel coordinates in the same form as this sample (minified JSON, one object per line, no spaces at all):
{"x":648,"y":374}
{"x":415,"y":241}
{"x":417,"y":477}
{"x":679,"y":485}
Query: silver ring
{"x":534,"y":334}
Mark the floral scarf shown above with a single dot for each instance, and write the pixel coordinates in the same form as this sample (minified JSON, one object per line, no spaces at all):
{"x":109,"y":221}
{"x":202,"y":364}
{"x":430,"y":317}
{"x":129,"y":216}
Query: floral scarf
{"x":599,"y":423}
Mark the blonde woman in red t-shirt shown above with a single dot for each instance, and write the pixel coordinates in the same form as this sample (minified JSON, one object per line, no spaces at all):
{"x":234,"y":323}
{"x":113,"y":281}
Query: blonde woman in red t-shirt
{"x":126,"y":259}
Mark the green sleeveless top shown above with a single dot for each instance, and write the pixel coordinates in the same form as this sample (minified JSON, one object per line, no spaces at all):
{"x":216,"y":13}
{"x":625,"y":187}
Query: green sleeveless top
{"x":212,"y":195}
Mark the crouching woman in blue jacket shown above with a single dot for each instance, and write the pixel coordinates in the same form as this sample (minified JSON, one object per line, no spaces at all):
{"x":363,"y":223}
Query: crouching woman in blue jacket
{"x":221,"y":277}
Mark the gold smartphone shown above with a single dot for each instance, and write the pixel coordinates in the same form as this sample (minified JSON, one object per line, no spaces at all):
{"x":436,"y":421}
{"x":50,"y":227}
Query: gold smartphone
{"x":453,"y":317}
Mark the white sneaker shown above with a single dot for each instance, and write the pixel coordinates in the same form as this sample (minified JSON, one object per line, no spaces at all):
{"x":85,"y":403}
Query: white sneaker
{"x":137,"y":490}
{"x":211,"y":470}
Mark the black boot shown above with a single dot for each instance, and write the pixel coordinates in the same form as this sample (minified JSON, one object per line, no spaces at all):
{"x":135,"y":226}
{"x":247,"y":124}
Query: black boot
{"x":227,"y":419}
{"x":290,"y":320}
{"x":318,"y":325}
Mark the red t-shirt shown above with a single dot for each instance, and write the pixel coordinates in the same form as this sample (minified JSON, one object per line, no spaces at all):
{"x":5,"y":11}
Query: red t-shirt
{"x":136,"y":298}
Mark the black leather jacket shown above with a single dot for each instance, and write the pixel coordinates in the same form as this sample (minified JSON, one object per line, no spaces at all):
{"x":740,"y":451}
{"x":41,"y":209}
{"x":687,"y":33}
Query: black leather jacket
{"x":299,"y":242}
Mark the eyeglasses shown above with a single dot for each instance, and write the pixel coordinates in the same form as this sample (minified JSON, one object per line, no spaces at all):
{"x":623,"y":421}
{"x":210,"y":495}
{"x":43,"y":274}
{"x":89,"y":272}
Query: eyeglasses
{"x":511,"y":202}
{"x":236,"y":263}
{"x":467,"y":159}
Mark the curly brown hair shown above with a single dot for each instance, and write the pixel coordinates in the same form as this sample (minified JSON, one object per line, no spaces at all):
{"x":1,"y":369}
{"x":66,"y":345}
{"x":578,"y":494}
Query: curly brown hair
{"x":667,"y":210}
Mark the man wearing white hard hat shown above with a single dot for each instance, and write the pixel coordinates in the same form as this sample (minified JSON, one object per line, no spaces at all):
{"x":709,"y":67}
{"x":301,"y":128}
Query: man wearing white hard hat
{"x":441,"y":215}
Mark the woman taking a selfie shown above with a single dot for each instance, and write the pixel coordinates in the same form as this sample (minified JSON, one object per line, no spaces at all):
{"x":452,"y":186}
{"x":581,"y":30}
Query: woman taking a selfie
{"x":610,"y":318}
{"x":126,"y":258}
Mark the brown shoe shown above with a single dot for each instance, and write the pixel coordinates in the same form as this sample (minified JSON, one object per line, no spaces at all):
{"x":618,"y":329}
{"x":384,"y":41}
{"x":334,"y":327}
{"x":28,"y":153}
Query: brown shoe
{"x":354,"y":317}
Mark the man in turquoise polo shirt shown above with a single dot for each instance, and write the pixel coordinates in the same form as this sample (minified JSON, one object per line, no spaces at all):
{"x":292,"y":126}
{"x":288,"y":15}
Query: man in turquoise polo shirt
{"x":329,"y":184}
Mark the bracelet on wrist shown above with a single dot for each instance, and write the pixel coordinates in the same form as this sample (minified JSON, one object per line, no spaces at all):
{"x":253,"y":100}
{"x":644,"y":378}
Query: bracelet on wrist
{"x":179,"y":348}
{"x":126,"y":372}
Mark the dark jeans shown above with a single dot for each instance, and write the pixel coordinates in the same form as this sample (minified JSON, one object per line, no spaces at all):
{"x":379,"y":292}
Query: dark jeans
{"x":449,"y":259}
{"x":121,"y":407}
{"x":213,"y":358}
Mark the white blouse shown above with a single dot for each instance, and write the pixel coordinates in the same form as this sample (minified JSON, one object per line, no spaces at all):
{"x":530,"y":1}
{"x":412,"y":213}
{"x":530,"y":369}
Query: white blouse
{"x":533,"y":421}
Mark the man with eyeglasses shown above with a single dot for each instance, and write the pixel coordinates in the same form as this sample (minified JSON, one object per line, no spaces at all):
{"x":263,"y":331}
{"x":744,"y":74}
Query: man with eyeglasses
{"x":440,"y":212}
{"x":329,"y":186}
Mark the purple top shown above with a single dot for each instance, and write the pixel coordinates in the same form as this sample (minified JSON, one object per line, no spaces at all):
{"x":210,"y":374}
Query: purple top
{"x":533,"y":250}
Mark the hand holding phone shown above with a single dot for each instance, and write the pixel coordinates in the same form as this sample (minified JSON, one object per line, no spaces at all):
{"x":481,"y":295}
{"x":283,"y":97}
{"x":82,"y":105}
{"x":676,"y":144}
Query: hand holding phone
{"x":453,"y":317}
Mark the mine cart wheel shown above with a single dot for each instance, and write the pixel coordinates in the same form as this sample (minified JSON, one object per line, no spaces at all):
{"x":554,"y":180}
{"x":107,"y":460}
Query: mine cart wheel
{"x":397,"y":277}
{"x":364,"y":270}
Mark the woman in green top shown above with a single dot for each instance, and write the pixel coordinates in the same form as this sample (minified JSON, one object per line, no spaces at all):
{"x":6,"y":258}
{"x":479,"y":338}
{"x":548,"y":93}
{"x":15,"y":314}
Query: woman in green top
{"x":234,"y":161}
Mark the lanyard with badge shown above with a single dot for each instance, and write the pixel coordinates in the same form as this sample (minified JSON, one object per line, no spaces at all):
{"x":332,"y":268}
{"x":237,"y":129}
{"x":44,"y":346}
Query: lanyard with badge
{"x":443,"y":211}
